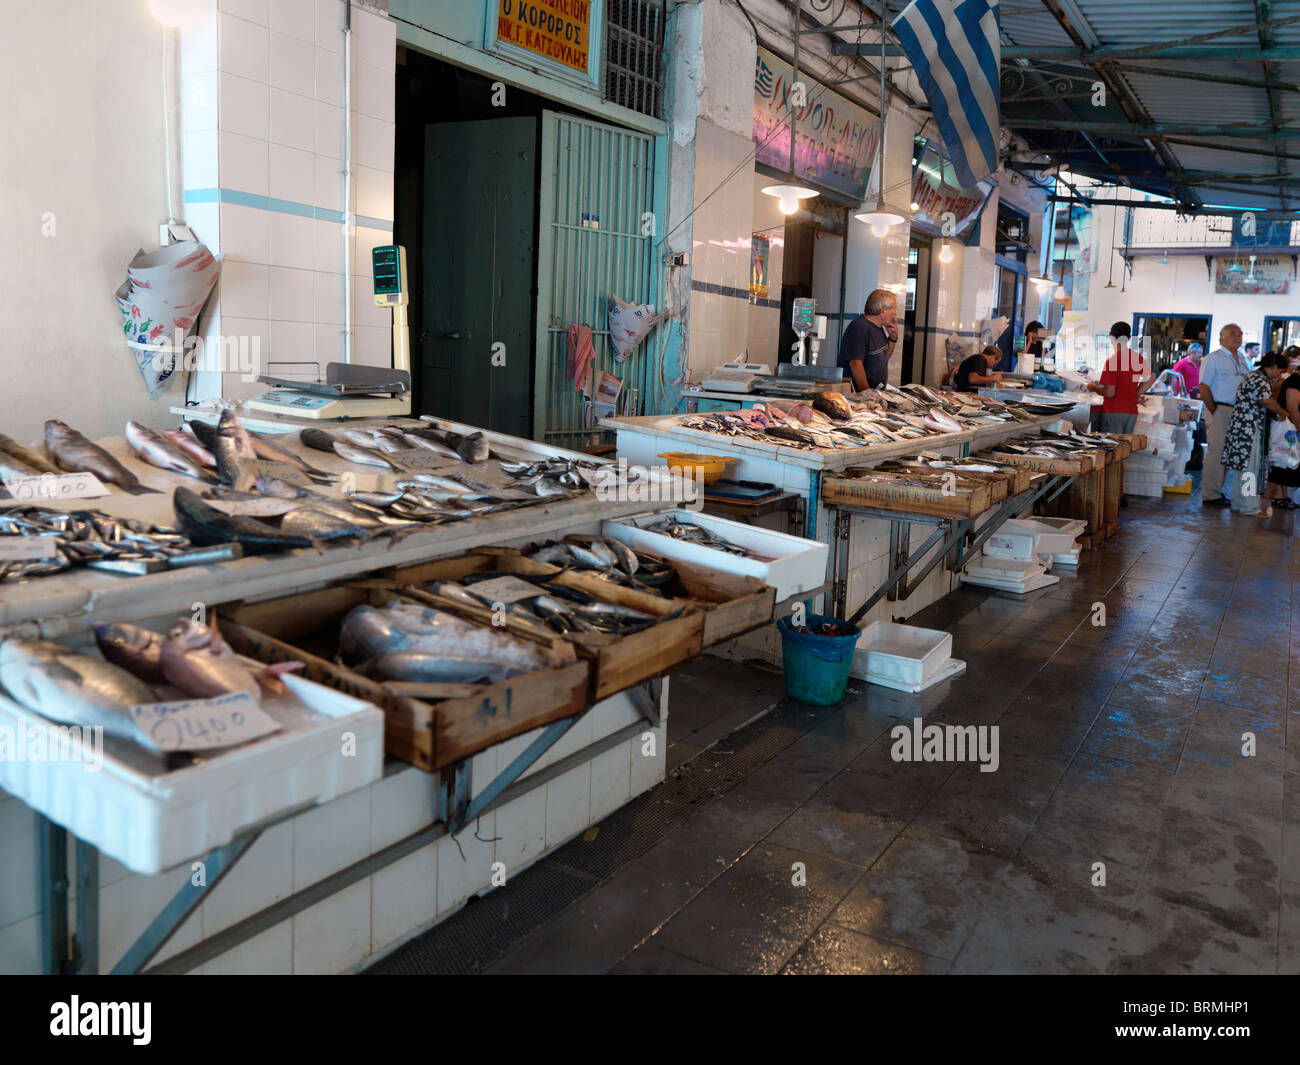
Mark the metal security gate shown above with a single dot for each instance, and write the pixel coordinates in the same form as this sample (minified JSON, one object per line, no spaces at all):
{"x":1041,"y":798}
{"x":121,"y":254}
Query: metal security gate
{"x":596,"y":239}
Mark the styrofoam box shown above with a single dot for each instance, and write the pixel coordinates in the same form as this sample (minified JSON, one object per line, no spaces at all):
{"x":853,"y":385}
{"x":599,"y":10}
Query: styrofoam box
{"x":150,"y":823}
{"x":1011,"y":543}
{"x":904,"y":657}
{"x":1049,"y":539}
{"x":793,"y":564}
{"x":1144,"y":477}
{"x":1153,"y":491}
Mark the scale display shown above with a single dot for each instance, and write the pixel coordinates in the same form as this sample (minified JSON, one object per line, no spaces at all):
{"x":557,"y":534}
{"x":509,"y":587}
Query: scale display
{"x":801,"y":316}
{"x":387,"y":268}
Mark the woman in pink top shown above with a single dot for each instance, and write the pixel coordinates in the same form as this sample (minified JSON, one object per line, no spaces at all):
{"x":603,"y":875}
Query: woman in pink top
{"x":1190,"y":367}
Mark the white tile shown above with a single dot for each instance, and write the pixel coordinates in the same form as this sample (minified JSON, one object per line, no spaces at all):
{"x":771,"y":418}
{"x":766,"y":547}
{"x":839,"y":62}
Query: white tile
{"x":404,"y":897}
{"x":242,"y":349}
{"x":18,"y":896}
{"x":199,"y":102}
{"x":365,"y":314}
{"x":328,"y":297}
{"x":521,"y":831}
{"x":292,"y":119}
{"x":244,"y":106}
{"x":292,"y":175}
{"x":20,"y":947}
{"x":245,"y":289}
{"x":367,"y":239}
{"x":400,"y":806}
{"x":648,"y":750}
{"x":372,"y":142}
{"x":327,"y":183}
{"x":332,"y":836}
{"x":329,"y":344}
{"x":374,"y":192}
{"x":578,"y":737}
{"x":243,"y":48}
{"x":329,"y":76}
{"x":242,"y":162}
{"x":512,"y":748}
{"x":264,"y":875}
{"x":293,"y":65}
{"x":374,"y":92}
{"x":328,"y":136}
{"x":374,"y":39}
{"x":610,"y":715}
{"x":372,"y":346}
{"x":465,"y":863}
{"x":334,"y":935}
{"x":294,"y":17}
{"x":296,"y":342}
{"x":293,"y":295}
{"x":199,"y":46}
{"x":329,"y":25}
{"x":327,"y":242}
{"x":199,"y":160}
{"x":610,"y":781}
{"x":292,"y":240}
{"x":267,"y":954}
{"x":245,"y":233}
{"x":253,"y":10}
{"x":129,"y":906}
{"x":482,"y":769}
{"x":568,"y":804}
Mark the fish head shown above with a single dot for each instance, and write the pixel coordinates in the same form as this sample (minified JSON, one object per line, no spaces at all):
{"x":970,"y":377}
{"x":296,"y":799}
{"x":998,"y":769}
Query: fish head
{"x":121,"y":638}
{"x":56,"y":430}
{"x":228,"y":424}
{"x":190,"y":635}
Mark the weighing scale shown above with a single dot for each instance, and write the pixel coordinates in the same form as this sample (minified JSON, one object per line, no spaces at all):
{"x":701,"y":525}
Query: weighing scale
{"x":350,"y":391}
{"x":736,"y":377}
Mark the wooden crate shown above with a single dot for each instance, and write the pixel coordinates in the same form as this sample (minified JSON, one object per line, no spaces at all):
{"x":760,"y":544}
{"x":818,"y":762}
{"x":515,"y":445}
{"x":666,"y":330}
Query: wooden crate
{"x":1135,"y":441}
{"x":1065,"y":467}
{"x":965,"y":502}
{"x":430,"y":726}
{"x":1001,"y":484}
{"x":618,"y":662}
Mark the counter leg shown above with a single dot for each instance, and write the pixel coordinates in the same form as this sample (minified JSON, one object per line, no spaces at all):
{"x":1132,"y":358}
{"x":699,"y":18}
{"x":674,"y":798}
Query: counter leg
{"x":52,"y":864}
{"x":85,"y":955}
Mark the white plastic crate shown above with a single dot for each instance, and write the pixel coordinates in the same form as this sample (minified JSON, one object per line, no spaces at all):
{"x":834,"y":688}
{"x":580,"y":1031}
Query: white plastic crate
{"x":904,"y":657}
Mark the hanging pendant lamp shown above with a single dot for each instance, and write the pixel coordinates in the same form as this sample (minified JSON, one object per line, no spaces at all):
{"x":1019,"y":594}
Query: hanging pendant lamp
{"x":881,"y":216}
{"x":788,"y":193}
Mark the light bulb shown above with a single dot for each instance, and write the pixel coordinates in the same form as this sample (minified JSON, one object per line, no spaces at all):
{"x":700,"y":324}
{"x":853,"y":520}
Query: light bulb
{"x":880,"y":229}
{"x":789,"y":203}
{"x":178,"y":14}
{"x":945,"y":253}
{"x":915,"y":206}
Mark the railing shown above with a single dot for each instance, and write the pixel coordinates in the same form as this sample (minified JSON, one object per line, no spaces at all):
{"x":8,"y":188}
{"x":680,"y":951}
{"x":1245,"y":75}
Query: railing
{"x":1166,"y":229}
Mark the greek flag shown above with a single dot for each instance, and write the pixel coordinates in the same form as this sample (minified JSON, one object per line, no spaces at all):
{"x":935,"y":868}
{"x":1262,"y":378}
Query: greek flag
{"x":955,"y":52}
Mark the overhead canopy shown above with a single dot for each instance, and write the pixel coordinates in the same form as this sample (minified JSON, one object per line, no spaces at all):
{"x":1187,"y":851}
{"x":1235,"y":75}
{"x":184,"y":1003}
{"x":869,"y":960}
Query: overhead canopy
{"x":1197,"y":100}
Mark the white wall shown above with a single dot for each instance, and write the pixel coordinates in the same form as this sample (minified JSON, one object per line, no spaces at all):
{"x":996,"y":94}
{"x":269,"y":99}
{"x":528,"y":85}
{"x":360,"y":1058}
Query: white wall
{"x":83,"y":141}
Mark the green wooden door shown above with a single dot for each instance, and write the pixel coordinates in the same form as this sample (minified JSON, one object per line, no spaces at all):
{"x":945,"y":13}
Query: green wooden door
{"x":478,"y":265}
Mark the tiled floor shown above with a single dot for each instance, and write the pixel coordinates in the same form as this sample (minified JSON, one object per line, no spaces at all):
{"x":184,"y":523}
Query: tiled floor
{"x":1120,"y":750}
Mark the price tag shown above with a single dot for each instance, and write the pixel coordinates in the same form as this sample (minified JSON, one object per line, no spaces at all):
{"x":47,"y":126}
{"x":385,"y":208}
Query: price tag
{"x":505,"y":589}
{"x":266,"y":507}
{"x":203,"y":724}
{"x":28,"y":548}
{"x":421,"y":458}
{"x":50,"y":488}
{"x":282,"y":470}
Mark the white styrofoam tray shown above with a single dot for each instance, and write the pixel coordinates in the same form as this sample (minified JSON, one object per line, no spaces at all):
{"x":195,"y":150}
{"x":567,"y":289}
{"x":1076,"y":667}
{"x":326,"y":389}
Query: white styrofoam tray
{"x":1049,"y":539}
{"x":152,"y":821}
{"x":794,"y":564}
{"x":904,"y":657}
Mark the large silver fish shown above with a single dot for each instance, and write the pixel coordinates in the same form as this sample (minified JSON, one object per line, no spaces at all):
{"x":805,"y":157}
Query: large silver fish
{"x":190,"y":445}
{"x":198,"y":661}
{"x":74,"y":452}
{"x":27,"y":456}
{"x":76,"y":689}
{"x":157,"y":451}
{"x":267,"y":448}
{"x":135,"y":649}
{"x":409,"y":629}
{"x":235,"y":453}
{"x":362,"y":456}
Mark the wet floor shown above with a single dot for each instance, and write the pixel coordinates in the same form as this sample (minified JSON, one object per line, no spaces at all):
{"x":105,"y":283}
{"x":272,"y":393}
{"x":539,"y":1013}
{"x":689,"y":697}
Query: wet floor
{"x":1124,"y":830}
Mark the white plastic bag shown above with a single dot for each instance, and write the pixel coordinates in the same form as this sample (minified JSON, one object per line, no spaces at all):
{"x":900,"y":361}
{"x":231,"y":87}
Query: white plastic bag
{"x":1283,"y":445}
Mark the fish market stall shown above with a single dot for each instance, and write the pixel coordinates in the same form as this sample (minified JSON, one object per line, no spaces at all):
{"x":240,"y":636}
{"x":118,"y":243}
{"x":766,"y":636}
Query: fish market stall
{"x":341,"y":574}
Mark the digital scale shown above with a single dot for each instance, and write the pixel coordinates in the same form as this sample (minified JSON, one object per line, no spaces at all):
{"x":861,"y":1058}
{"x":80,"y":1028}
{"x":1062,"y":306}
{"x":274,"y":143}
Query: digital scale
{"x":350,"y":391}
{"x":736,"y":377}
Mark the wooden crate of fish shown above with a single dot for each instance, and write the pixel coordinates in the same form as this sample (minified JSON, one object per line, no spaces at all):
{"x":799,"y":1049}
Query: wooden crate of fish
{"x":912,"y":493}
{"x":1060,"y":465}
{"x":448,"y":687}
{"x":627,"y":634}
{"x":1003,"y":480}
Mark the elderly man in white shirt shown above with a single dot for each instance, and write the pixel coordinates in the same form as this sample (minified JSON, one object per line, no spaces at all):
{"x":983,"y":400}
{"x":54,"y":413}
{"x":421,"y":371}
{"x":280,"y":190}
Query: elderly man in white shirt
{"x":1221,"y":374}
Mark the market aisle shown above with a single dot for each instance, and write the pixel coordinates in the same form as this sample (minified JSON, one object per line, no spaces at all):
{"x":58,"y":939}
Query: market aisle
{"x":1119,"y":744}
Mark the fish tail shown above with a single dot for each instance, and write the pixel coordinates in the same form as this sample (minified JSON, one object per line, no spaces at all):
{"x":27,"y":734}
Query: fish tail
{"x":139,"y":489}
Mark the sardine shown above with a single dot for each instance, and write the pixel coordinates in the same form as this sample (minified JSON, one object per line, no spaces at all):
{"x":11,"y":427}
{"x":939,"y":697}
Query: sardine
{"x":157,"y":451}
{"x":135,"y":649}
{"x":362,"y":456}
{"x":72,"y":451}
{"x":76,"y":689}
{"x":204,"y":524}
{"x":27,"y":456}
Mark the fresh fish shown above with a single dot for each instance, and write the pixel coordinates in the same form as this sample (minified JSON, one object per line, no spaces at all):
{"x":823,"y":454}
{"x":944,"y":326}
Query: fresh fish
{"x":320,"y":525}
{"x":355,"y":512}
{"x":267,"y":448}
{"x":72,"y":451}
{"x":443,"y":484}
{"x":190,"y":446}
{"x":627,"y":560}
{"x":11,"y":466}
{"x":204,"y":524}
{"x":437,"y":669}
{"x":76,"y":689}
{"x":362,"y":456}
{"x":198,"y":661}
{"x":425,"y":439}
{"x":235,"y":452}
{"x":555,"y":555}
{"x":474,"y":448}
{"x":378,"y":499}
{"x":204,"y":433}
{"x":943,"y":422}
{"x":455,"y":592}
{"x":159,"y":452}
{"x":833,"y":404}
{"x":135,"y":649}
{"x":404,"y":628}
{"x":318,"y":439}
{"x":27,"y":456}
{"x":590,"y":558}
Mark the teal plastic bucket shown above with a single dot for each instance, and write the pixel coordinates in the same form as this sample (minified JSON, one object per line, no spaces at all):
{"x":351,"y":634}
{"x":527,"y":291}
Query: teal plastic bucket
{"x":816,"y":667}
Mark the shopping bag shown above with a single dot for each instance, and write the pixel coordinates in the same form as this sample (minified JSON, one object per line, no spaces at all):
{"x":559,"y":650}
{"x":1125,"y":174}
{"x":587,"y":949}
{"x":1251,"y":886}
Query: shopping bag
{"x":1283,"y":445}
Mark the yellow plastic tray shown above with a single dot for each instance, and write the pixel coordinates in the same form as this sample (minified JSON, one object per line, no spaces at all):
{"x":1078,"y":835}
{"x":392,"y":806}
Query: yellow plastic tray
{"x":712,"y":466}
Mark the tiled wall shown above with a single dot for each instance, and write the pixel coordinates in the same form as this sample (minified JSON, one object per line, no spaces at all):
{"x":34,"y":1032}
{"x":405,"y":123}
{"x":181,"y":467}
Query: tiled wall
{"x":376,"y":913}
{"x":765,"y":313}
{"x":262,"y":94}
{"x":723,"y":224}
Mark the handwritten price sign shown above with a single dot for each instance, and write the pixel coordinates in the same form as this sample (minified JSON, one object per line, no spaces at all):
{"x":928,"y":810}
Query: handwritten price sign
{"x":51,"y":488}
{"x":203,"y":724}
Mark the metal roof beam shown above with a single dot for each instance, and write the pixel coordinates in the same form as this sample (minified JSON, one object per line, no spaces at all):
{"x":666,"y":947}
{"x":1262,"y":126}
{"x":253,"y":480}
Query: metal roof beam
{"x":1218,"y":79}
{"x":1136,"y":132}
{"x":1055,"y":53}
{"x":1235,"y":149}
{"x":1263,"y":9}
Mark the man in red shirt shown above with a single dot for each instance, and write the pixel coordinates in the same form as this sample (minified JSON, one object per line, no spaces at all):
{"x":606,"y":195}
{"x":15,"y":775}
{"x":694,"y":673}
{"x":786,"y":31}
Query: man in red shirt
{"x":1125,"y":378}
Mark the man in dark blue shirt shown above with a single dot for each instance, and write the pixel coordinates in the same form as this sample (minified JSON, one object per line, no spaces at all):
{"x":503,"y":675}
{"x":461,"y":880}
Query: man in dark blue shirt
{"x":869,"y":340}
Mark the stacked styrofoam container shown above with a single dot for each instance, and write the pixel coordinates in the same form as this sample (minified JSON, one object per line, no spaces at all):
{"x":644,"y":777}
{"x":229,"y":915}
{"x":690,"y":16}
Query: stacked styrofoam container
{"x":1169,"y":446}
